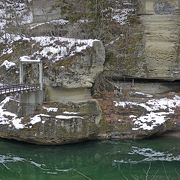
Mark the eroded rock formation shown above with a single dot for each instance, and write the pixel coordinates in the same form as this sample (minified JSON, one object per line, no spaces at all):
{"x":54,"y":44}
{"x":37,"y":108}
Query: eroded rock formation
{"x":113,"y":75}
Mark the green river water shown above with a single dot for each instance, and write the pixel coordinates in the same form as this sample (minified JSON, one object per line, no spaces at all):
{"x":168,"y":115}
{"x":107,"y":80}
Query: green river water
{"x":108,"y":160}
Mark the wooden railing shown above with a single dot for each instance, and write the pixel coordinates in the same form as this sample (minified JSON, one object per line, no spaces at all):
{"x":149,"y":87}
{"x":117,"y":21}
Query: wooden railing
{"x":7,"y":89}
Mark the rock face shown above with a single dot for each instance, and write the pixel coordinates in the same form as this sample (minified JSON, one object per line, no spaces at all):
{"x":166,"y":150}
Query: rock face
{"x":80,"y":70}
{"x":71,"y":63}
{"x":149,"y":47}
{"x":53,"y":124}
{"x":113,"y":75}
{"x":161,"y":36}
{"x":44,"y":11}
{"x":134,"y":114}
{"x":128,"y":115}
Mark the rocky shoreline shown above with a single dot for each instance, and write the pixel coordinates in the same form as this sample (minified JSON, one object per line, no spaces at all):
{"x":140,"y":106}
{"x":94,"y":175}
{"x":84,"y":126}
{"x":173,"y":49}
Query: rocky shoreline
{"x":138,"y":115}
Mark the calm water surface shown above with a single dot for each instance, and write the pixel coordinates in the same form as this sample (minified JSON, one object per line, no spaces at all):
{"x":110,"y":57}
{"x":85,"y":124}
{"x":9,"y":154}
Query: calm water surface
{"x":110,"y":160}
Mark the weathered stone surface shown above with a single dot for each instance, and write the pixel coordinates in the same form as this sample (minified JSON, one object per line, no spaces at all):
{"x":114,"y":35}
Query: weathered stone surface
{"x":132,"y":111}
{"x":149,"y":47}
{"x":64,"y":95}
{"x":134,"y":114}
{"x":161,"y":35}
{"x":80,"y":70}
{"x":71,"y":63}
{"x":146,"y":46}
{"x":56,"y":123}
{"x":141,"y":40}
{"x":45,"y":10}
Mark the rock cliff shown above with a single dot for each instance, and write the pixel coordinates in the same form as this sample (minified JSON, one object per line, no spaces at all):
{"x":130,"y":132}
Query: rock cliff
{"x":111,"y":69}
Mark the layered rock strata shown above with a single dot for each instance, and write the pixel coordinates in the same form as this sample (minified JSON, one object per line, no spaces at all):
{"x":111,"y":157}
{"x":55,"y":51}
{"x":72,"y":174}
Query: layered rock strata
{"x":132,"y":70}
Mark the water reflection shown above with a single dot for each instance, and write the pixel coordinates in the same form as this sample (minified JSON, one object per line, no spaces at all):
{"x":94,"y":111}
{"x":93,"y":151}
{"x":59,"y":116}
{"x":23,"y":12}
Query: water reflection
{"x":139,"y":155}
{"x":94,"y":160}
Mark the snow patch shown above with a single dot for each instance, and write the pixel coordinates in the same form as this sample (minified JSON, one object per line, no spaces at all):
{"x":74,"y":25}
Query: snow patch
{"x":56,"y":48}
{"x":9,"y":118}
{"x":37,"y":118}
{"x":144,"y":94}
{"x":50,"y":109}
{"x":17,"y":123}
{"x":156,"y":112}
{"x":8,"y":64}
{"x":121,"y":16}
{"x":83,"y":21}
{"x":6,"y":51}
{"x":23,"y":15}
{"x":66,"y":112}
{"x":28,"y":59}
{"x":56,"y":22}
{"x":125,"y":104}
{"x":68,"y":117}
{"x":51,"y":48}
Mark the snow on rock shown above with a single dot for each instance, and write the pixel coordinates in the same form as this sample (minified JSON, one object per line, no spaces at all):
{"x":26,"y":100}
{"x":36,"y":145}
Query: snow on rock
{"x":37,"y":118}
{"x":124,"y":103}
{"x":17,"y":123}
{"x":23,"y":15}
{"x":150,"y":121}
{"x":6,"y":100}
{"x":28,"y":59}
{"x":48,"y":47}
{"x":66,"y":112}
{"x":52,"y":22}
{"x":2,"y":17}
{"x":157,"y":112}
{"x":8,"y":39}
{"x":83,"y":21}
{"x":7,"y":51}
{"x":8,"y":117}
{"x":27,"y":18}
{"x":144,"y":94}
{"x":8,"y":64}
{"x":121,"y":15}
{"x":11,"y":119}
{"x":50,"y":109}
{"x":68,"y":117}
{"x":59,"y":21}
{"x":51,"y":48}
{"x":57,"y":48}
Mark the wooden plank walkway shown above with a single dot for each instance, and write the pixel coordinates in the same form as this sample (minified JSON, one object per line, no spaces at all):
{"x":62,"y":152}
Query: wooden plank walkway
{"x":7,"y":89}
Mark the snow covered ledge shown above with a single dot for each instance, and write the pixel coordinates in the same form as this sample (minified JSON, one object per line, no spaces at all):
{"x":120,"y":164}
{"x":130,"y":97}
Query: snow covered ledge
{"x":53,"y":123}
{"x":156,"y":112}
{"x":72,"y":63}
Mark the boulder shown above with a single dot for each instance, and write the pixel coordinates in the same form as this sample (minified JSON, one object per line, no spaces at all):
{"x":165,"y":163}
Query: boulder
{"x":53,"y":123}
{"x":79,"y":70}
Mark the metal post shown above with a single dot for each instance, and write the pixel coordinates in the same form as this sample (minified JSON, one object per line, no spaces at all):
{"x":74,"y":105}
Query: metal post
{"x":21,"y":73}
{"x":41,"y":76}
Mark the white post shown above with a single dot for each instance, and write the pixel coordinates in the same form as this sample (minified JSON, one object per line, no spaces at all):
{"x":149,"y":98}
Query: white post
{"x":41,"y":76}
{"x":21,"y":73}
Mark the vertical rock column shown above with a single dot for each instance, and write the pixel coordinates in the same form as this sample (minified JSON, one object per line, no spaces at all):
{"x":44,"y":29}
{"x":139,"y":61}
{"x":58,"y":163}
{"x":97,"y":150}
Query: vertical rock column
{"x":161,"y":23}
